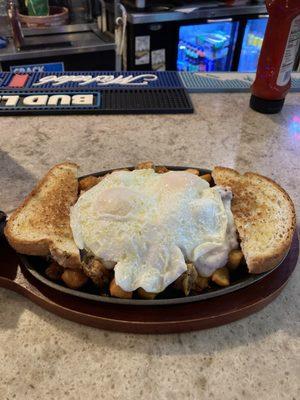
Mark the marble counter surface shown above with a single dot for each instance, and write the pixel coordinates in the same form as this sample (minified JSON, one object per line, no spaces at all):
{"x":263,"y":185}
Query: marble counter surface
{"x":45,"y":357}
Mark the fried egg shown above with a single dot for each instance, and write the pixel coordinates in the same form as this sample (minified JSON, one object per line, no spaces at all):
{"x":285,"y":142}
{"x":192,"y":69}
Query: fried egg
{"x":147,"y":226}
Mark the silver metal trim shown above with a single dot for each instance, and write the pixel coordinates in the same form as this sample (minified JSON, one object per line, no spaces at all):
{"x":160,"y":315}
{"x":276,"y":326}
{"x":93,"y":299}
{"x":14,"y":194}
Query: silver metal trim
{"x":83,"y":42}
{"x":201,"y":13}
{"x":209,"y":21}
{"x":71,"y":28}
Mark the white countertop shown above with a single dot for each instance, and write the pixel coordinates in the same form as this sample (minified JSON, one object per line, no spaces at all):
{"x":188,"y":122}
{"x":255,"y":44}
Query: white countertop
{"x":46,"y":357}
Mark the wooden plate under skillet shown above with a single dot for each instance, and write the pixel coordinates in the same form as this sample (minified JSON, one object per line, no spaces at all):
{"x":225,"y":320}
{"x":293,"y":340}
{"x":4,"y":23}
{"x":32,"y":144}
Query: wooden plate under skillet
{"x":146,"y":318}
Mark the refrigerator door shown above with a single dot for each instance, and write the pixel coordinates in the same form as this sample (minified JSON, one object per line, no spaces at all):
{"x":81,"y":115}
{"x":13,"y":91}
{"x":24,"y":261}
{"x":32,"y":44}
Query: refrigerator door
{"x":207,"y":46}
{"x":252,"y":42}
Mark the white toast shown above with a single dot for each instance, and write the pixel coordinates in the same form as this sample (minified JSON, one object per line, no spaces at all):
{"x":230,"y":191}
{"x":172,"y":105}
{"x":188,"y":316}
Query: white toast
{"x":41,"y":225}
{"x":264,"y":216}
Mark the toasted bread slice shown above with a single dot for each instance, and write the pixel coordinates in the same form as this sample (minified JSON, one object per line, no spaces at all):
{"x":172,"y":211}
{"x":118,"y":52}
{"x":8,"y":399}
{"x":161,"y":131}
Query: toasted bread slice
{"x":41,"y":225}
{"x":264,"y":216}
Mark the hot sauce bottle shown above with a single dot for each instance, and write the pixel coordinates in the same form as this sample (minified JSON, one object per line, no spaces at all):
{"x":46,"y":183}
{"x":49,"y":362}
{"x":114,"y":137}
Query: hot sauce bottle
{"x":277,"y":56}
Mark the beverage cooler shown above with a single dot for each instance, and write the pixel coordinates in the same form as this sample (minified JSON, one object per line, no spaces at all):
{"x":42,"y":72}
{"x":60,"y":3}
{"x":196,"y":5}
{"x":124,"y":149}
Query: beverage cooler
{"x":207,"y":47}
{"x":231,"y":44}
{"x":251,"y":44}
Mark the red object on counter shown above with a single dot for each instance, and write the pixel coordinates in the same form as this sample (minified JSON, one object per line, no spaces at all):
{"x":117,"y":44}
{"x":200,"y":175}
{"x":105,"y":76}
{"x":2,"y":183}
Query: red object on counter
{"x":277,"y":56}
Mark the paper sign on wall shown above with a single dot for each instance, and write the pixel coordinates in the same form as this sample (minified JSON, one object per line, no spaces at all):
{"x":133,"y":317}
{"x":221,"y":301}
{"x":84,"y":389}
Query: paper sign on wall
{"x":142,"y":50}
{"x":158,"y":60}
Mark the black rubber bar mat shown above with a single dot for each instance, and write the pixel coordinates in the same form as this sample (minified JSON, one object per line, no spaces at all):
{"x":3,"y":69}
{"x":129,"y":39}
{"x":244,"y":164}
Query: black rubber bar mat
{"x":210,"y":82}
{"x":108,"y":101}
{"x":159,"y":101}
{"x":83,"y":81}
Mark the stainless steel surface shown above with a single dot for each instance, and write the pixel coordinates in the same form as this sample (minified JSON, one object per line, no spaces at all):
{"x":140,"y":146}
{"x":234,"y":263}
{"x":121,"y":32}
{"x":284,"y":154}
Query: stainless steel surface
{"x":243,"y":282}
{"x":214,"y":10}
{"x":118,"y":57}
{"x":102,"y":19}
{"x":15,"y":24}
{"x":83,"y":42}
{"x":40,"y":42}
{"x":71,"y":28}
{"x":84,"y":38}
{"x":137,"y":3}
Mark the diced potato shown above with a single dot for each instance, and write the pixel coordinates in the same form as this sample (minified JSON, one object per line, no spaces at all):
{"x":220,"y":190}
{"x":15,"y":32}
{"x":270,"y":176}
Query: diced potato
{"x":192,"y":171}
{"x":54,"y":271}
{"x":95,"y":270}
{"x":234,"y":259}
{"x":161,"y":170}
{"x":88,"y":182}
{"x":146,"y":295}
{"x":74,"y":278}
{"x":145,"y":165}
{"x":207,"y":177}
{"x":221,"y":277}
{"x":117,"y":291}
{"x":201,"y":283}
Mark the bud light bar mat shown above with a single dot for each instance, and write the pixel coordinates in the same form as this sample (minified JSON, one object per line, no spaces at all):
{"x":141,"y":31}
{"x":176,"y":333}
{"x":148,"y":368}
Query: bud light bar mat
{"x":204,"y":82}
{"x":94,"y":80}
{"x":218,"y":82}
{"x":109,"y":101}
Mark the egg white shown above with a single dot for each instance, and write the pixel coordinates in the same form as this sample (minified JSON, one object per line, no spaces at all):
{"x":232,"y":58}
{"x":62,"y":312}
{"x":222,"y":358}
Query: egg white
{"x":147,"y":226}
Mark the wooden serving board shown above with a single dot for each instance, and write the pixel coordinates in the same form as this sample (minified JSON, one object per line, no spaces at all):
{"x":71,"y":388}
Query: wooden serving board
{"x":147,"y":319}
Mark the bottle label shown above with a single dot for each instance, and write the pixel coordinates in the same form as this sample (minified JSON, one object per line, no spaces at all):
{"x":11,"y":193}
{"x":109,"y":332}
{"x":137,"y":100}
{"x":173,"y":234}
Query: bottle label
{"x":289,"y":56}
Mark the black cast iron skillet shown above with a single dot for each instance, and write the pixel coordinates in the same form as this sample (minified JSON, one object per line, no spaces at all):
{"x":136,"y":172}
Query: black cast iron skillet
{"x":36,"y":266}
